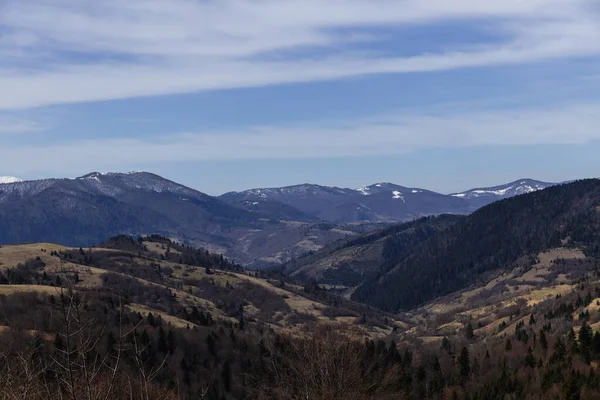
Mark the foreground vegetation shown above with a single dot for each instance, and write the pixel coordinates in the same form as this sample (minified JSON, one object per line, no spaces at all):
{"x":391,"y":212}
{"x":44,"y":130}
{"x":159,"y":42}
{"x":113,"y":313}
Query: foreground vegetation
{"x":149,"y":318}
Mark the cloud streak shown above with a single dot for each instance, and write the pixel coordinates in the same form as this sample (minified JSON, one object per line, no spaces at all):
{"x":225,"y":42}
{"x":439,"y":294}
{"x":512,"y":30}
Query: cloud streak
{"x":386,"y":135}
{"x":13,"y":125}
{"x":70,"y":51}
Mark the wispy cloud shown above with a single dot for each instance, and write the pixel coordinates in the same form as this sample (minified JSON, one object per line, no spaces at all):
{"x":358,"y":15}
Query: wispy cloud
{"x":65,"y":51}
{"x":12,"y":125}
{"x":391,"y":134}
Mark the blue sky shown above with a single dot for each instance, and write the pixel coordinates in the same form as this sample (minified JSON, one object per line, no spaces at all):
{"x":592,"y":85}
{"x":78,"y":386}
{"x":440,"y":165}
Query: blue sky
{"x":233,"y":94}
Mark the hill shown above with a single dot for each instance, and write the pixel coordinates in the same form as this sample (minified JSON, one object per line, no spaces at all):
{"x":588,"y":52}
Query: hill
{"x":493,"y":238}
{"x":167,"y":278}
{"x":347,"y":264}
{"x":163,"y":320}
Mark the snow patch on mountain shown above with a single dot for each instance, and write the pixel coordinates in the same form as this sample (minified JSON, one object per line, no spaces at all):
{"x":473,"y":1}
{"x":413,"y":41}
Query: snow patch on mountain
{"x":9,"y":179}
{"x":398,"y":195}
{"x":509,"y":190}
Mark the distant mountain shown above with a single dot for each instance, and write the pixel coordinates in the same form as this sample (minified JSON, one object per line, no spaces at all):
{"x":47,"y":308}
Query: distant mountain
{"x":480,"y":197}
{"x":257,"y":227}
{"x":9,"y":179}
{"x":86,"y":210}
{"x":380,"y":202}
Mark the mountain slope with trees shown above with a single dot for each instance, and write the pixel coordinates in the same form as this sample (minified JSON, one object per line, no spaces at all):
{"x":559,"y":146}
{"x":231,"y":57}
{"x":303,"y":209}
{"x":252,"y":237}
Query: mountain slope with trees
{"x":348,"y":264}
{"x":493,"y":238}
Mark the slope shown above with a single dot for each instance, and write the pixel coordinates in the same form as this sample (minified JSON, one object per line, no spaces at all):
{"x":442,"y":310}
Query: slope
{"x":494,"y":237}
{"x":348,"y":264}
{"x":180,"y":283}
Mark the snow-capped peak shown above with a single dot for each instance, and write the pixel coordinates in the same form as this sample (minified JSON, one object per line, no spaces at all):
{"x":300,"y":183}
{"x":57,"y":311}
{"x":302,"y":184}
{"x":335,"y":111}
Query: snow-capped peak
{"x":509,"y":190}
{"x":9,"y":179}
{"x":376,"y":188}
{"x":364,"y":191}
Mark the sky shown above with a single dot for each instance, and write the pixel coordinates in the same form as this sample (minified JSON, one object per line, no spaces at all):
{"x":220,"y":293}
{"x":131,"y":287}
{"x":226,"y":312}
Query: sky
{"x":225,"y":95}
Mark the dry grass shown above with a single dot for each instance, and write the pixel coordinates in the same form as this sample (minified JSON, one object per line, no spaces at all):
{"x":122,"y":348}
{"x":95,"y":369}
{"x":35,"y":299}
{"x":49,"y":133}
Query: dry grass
{"x":91,"y":277}
{"x":12,"y":255}
{"x":12,"y":289}
{"x":174,"y":321}
{"x":537,"y":296}
{"x":294,"y":301}
{"x":159,"y":248}
{"x":510,"y":288}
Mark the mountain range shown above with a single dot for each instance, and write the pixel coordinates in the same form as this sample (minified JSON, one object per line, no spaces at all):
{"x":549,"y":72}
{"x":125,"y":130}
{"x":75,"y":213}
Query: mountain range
{"x":514,"y":284}
{"x":404,"y":266}
{"x":380,"y":202}
{"x":257,"y":227}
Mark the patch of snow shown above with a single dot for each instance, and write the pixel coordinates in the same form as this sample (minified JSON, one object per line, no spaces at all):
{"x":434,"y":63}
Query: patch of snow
{"x":9,"y":179}
{"x":515,"y":189}
{"x":398,"y":195}
{"x":364,"y":191}
{"x":378,"y":185}
{"x":500,"y":192}
{"x":416,"y":191}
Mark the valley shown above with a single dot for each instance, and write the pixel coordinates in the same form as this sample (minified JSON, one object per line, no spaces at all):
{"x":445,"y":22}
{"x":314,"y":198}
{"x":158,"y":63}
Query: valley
{"x":257,"y":228}
{"x":499,"y":303}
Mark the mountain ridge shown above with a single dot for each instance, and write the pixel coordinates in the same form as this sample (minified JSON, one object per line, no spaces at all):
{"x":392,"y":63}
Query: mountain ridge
{"x":260,"y":227}
{"x":382,"y":201}
{"x":492,"y":238}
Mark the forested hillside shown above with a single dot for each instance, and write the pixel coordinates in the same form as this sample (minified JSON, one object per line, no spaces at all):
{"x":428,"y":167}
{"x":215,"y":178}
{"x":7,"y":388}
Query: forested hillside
{"x":493,"y":238}
{"x":65,"y":335}
{"x":348,"y":264}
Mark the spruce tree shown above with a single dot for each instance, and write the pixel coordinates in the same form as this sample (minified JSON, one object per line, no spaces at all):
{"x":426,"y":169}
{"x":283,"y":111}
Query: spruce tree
{"x":464,"y":363}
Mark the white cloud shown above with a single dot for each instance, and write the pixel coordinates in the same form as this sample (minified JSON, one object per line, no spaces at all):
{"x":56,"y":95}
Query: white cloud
{"x":65,"y":51}
{"x":392,"y":134}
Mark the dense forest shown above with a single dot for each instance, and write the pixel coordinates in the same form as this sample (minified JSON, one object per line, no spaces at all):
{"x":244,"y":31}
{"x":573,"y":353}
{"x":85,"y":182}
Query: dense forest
{"x":352,"y":262}
{"x":70,"y":345}
{"x":492,"y":238}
